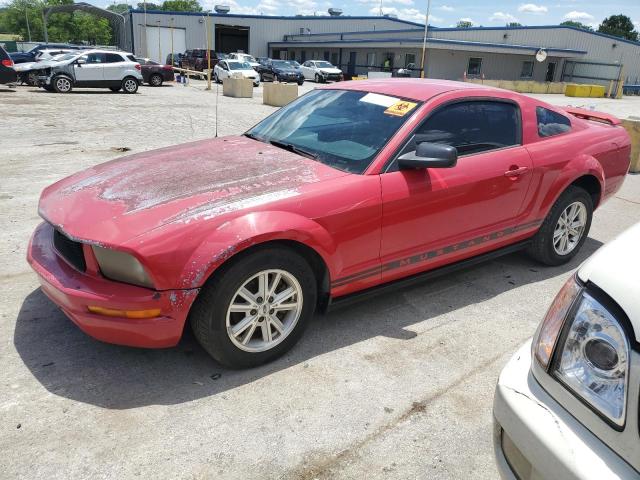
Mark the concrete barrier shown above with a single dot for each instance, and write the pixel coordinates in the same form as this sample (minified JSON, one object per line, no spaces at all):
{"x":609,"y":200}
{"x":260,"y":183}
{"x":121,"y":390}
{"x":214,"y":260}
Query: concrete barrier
{"x":237,"y":87}
{"x":279,"y":94}
{"x":633,"y":128}
{"x":524,"y":86}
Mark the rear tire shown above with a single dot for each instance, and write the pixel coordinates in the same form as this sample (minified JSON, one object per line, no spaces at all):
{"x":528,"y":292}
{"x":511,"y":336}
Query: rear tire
{"x":216,"y":326}
{"x":129,"y":85}
{"x":62,"y":84}
{"x":565,"y":229}
{"x":155,"y":80}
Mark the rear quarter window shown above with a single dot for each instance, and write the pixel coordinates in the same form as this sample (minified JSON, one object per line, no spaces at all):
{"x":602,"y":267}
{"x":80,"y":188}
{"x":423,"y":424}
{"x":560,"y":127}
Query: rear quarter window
{"x":551,"y":123}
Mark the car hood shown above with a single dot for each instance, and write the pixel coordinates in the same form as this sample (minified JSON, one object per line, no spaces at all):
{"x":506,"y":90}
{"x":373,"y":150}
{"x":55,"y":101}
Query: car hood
{"x":330,"y":70}
{"x":245,"y":73}
{"x":285,"y":70}
{"x":614,"y":268}
{"x":119,"y":200}
{"x":23,"y":67}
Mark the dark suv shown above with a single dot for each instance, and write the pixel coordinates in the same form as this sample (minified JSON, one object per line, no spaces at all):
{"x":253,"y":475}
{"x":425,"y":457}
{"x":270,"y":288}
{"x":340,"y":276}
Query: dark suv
{"x":7,"y":73}
{"x":196,"y":59}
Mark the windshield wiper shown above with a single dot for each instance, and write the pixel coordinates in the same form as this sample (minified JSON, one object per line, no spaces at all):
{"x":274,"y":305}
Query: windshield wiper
{"x":294,"y":149}
{"x":253,"y":137}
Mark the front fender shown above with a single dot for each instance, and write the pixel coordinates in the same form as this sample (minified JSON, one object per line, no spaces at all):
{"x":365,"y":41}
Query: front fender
{"x":236,"y":235}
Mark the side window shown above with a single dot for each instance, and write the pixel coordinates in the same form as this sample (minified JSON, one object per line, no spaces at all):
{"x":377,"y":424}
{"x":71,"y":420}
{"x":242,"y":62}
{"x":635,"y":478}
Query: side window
{"x":473,"y":127}
{"x":113,"y":58}
{"x":551,"y":123}
{"x":95,"y":58}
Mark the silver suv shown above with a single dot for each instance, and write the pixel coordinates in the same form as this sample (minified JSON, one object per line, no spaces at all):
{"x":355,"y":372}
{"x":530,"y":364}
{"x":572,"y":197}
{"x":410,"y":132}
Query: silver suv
{"x":94,"y":69}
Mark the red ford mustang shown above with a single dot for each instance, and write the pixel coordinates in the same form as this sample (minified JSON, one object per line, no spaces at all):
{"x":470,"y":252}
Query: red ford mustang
{"x":350,"y":187}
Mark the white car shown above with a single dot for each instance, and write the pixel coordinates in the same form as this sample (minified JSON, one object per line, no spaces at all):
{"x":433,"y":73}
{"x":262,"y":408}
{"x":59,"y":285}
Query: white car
{"x":93,"y":69}
{"x":244,"y":57}
{"x":567,"y":404}
{"x":320,"y":71}
{"x":228,"y":68}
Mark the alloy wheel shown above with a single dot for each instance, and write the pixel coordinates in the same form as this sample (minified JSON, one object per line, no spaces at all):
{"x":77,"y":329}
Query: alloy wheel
{"x":264,"y":310}
{"x":63,"y":84}
{"x":130,"y":85}
{"x":570,"y":228}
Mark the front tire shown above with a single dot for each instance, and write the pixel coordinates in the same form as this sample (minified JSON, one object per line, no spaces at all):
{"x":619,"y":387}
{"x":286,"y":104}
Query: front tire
{"x":565,"y":228}
{"x":317,"y":78}
{"x":62,"y":84}
{"x":129,"y":85}
{"x":256,"y":309}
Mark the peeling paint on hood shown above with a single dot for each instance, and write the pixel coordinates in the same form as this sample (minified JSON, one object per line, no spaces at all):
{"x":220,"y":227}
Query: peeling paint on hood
{"x":124,"y":198}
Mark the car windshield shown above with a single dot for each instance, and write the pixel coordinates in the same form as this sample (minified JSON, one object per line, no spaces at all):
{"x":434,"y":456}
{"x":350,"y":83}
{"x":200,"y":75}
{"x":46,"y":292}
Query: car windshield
{"x":340,"y":128}
{"x":239,"y":66}
{"x":324,"y":65}
{"x":293,"y":63}
{"x":281,"y":64}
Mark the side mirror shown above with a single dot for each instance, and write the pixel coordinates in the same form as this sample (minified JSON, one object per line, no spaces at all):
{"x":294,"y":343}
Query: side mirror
{"x":81,"y":61}
{"x":429,"y":155}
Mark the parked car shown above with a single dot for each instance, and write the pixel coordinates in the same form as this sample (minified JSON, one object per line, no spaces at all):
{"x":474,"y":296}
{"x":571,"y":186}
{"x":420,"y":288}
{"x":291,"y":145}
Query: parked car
{"x":155,"y":74}
{"x":566,"y":405}
{"x":175,"y":59}
{"x":30,"y":56}
{"x":333,"y":197}
{"x":93,"y":69}
{"x":279,"y":70}
{"x":227,"y":68}
{"x":7,"y":73}
{"x":28,"y":72}
{"x":320,"y":71}
{"x":244,"y":57}
{"x":197,"y":59}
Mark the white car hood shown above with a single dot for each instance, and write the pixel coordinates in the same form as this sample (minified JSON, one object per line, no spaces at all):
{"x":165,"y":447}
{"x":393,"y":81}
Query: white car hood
{"x":330,"y":70}
{"x":615,"y":268}
{"x":244,"y":73}
{"x":24,"y":67}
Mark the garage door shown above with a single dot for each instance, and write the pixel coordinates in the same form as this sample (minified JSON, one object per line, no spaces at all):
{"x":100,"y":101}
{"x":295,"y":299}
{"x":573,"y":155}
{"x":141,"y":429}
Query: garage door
{"x":159,"y":41}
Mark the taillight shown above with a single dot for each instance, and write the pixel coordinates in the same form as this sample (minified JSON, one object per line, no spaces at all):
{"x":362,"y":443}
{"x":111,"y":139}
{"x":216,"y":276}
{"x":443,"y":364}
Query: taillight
{"x":7,"y":62}
{"x":138,"y":67}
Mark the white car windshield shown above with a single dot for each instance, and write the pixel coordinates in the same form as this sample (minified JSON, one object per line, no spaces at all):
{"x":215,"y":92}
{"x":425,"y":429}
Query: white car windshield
{"x":64,"y":56}
{"x":239,"y":66}
{"x":324,"y":65}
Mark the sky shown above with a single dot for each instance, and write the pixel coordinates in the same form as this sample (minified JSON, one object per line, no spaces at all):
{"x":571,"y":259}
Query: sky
{"x":444,"y":13}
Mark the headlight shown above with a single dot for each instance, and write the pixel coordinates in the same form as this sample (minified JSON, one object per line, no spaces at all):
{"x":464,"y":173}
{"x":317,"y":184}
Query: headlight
{"x":121,"y":267}
{"x":592,"y":351}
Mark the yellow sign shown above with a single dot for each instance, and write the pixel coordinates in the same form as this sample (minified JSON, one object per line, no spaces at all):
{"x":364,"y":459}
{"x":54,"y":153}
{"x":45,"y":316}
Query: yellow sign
{"x":400,"y":109}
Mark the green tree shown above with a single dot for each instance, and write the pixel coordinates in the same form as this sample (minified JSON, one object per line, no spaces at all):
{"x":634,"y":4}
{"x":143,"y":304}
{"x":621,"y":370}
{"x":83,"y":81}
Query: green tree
{"x":464,"y":24}
{"x":619,"y":26}
{"x":572,"y":23}
{"x":181,"y":6}
{"x":149,"y":6}
{"x":118,"y":7}
{"x":73,"y":27}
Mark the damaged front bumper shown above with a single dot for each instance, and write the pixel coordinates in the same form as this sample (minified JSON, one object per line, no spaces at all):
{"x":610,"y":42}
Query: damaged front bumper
{"x":536,"y":438}
{"x":74,"y":291}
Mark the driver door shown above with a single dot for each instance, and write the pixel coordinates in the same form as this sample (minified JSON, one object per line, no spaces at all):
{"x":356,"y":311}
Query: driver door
{"x":90,"y":72}
{"x":434,"y":216}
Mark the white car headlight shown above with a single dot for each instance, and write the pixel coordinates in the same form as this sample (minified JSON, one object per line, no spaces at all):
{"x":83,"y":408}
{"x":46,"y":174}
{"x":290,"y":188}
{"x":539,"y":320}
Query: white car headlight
{"x":591,"y":351}
{"x":121,"y":267}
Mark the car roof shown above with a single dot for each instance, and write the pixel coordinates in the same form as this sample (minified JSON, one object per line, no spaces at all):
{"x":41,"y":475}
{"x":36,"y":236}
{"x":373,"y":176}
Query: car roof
{"x":420,"y":89}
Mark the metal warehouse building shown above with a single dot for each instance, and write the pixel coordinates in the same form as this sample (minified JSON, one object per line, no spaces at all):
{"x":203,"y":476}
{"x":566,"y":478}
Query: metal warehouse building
{"x":359,"y":45}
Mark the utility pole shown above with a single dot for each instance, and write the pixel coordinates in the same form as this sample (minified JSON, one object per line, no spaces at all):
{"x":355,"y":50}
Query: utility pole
{"x":146,"y":37}
{"x":26,"y":16}
{"x":208,"y":23}
{"x":424,"y":41}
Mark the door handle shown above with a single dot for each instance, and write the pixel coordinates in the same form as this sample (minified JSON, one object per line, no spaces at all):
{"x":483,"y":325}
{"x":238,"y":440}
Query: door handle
{"x":515,"y":172}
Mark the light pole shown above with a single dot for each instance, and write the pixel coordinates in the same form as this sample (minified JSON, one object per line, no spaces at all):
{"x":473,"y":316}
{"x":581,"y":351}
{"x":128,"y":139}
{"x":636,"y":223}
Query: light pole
{"x":171,"y":42}
{"x":209,"y":52}
{"x":424,"y":41}
{"x":159,"y":43}
{"x":26,"y":16}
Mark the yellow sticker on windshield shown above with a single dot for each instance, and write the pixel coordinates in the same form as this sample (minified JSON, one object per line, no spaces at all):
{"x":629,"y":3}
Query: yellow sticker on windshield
{"x":400,"y":109}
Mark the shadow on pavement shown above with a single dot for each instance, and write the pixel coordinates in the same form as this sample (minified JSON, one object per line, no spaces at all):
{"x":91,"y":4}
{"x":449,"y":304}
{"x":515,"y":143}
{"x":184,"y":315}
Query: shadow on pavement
{"x":70,"y":364}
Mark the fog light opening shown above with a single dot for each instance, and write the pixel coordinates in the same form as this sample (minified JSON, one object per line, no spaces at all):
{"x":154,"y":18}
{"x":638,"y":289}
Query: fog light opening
{"x":134,"y":314}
